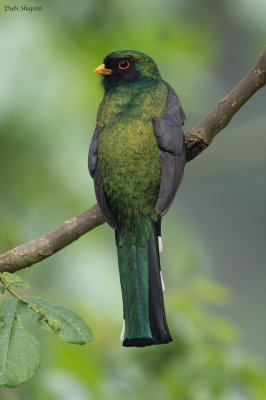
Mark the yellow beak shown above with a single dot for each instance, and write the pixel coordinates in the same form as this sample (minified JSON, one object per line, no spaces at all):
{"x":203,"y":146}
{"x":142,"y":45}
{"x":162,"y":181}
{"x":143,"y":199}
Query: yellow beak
{"x":102,"y":70}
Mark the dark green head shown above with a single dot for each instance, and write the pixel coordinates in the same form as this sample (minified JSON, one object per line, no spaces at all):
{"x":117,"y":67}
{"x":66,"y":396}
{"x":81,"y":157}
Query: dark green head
{"x":126,"y":66}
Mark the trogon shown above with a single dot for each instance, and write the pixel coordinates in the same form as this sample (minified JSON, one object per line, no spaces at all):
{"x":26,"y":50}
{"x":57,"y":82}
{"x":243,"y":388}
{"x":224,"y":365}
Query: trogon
{"x":137,"y":158}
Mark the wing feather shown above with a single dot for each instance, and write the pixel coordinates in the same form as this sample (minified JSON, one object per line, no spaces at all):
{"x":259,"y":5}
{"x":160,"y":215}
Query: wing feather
{"x":95,"y":174}
{"x":170,"y":139}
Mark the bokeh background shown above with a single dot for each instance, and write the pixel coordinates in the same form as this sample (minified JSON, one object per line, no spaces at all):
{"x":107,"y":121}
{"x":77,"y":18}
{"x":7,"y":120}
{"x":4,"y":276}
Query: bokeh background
{"x":214,"y":234}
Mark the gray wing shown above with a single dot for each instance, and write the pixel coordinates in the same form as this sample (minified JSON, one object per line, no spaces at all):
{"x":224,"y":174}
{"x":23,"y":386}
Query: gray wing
{"x":95,"y":174}
{"x":170,"y":139}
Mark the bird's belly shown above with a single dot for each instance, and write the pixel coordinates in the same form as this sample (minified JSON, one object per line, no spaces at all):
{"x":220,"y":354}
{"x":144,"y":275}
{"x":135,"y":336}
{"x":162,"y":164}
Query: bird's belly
{"x":130,"y":168}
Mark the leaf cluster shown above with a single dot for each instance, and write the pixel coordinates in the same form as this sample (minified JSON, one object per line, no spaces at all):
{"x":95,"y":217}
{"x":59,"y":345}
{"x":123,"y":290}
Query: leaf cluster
{"x":20,"y":352}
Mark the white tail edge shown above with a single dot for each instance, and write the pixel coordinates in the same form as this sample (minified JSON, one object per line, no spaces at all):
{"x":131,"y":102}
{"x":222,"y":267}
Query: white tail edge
{"x":122,"y":336}
{"x":163,"y":286}
{"x":160,"y":244}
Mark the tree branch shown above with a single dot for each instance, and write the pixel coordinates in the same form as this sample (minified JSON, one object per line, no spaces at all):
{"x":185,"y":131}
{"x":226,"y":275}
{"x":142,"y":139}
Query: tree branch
{"x":204,"y":132}
{"x":197,"y":139}
{"x":32,"y":252}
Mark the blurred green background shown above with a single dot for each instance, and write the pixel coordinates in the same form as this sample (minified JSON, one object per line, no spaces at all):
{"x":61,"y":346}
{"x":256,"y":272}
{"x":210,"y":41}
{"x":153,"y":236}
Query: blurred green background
{"x":214,"y":234}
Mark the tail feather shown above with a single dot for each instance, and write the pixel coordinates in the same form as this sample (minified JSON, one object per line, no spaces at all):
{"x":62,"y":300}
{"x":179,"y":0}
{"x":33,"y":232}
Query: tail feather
{"x":158,"y":323}
{"x":140,"y":277}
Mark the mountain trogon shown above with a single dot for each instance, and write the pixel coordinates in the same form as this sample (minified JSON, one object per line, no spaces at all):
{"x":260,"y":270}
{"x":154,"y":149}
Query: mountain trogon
{"x":137,"y":158}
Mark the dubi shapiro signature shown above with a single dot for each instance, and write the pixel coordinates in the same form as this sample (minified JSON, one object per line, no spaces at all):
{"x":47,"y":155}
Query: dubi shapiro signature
{"x":24,"y":8}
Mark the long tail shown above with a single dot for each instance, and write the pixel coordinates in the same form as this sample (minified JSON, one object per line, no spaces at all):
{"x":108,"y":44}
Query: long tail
{"x":140,"y":277}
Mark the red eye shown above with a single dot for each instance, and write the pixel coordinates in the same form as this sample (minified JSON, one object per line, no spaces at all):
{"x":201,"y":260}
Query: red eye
{"x":123,"y":64}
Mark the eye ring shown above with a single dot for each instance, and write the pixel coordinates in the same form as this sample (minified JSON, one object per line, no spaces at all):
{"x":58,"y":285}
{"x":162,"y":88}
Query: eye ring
{"x":123,"y":64}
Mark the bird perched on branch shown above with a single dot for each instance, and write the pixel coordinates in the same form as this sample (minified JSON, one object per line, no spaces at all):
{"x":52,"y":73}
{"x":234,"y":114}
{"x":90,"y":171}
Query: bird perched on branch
{"x":137,"y":159}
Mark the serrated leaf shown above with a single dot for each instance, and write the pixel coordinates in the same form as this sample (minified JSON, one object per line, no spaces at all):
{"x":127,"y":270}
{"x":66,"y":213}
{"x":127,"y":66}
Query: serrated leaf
{"x":2,"y":289}
{"x":73,"y":328}
{"x":14,"y":281}
{"x":20,"y":352}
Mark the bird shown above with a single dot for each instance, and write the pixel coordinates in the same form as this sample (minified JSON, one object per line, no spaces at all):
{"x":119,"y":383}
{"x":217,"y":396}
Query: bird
{"x":136,"y":159}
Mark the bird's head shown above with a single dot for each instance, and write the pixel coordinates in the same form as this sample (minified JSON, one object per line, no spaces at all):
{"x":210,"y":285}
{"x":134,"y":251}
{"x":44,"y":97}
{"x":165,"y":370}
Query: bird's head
{"x":126,"y":66}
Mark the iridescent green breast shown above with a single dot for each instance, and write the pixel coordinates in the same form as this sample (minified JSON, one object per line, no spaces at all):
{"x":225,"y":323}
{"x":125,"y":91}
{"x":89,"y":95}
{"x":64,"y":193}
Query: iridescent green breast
{"x":128,"y":154}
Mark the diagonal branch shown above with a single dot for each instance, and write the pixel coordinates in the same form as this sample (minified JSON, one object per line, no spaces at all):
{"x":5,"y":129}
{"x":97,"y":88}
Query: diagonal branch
{"x":37,"y":250}
{"x":204,"y":132}
{"x":197,"y":140}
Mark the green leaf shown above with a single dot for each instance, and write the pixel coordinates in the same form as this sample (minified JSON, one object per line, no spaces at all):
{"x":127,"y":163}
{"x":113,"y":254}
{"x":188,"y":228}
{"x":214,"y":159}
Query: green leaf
{"x":73,"y":329}
{"x":47,"y":322}
{"x":20,"y":352}
{"x":14,"y":281}
{"x":2,"y":289}
{"x":40,"y":316}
